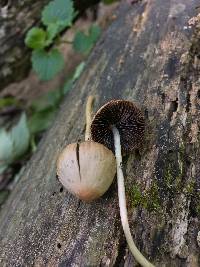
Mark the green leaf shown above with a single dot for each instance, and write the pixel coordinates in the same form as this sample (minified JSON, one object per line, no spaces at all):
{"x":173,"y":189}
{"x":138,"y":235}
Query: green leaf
{"x":108,"y":2}
{"x":3,"y":167}
{"x":67,"y":86}
{"x":52,"y":30}
{"x":49,"y":100}
{"x":58,"y":10}
{"x":40,"y":121}
{"x":94,"y":33}
{"x":14,"y":143}
{"x":9,"y":101}
{"x":47,"y":64}
{"x":69,"y":83}
{"x":20,"y":137}
{"x":36,"y":38}
{"x":54,"y":98}
{"x":83,"y":43}
{"x":33,"y":144}
{"x":3,"y":196}
{"x":78,"y":70}
{"x":6,"y":148}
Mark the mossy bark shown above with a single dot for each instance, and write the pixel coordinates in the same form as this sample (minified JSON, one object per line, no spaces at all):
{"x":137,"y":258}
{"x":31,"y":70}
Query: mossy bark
{"x":150,"y":55}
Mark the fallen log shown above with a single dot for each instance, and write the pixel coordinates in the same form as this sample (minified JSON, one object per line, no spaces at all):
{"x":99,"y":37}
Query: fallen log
{"x":149,"y":55}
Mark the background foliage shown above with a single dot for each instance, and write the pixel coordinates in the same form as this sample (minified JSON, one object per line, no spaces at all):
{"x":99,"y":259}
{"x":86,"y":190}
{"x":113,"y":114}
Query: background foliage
{"x":20,"y":134}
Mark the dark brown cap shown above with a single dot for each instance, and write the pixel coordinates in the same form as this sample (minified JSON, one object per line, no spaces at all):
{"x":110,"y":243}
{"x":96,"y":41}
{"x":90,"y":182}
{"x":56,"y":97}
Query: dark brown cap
{"x":126,"y":117}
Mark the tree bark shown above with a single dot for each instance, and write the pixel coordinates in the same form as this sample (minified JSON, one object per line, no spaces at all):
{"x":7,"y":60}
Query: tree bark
{"x":148,"y":55}
{"x":16,"y":18}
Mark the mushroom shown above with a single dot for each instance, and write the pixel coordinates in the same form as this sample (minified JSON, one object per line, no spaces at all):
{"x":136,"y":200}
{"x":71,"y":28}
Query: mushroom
{"x":119,"y":125}
{"x":86,"y":169}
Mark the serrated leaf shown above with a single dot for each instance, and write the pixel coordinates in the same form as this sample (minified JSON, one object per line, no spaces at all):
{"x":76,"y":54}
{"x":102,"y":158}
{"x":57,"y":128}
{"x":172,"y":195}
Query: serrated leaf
{"x":6,"y":148}
{"x":20,"y":137}
{"x":58,"y":10}
{"x":47,"y":64}
{"x":41,"y":121}
{"x":35,"y":38}
{"x":52,"y":30}
{"x":83,"y":43}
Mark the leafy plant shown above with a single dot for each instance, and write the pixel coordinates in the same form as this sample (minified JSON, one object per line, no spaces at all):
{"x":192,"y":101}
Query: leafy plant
{"x":44,"y":109}
{"x":40,"y":121}
{"x":56,"y":17}
{"x":36,"y":38}
{"x":47,"y":64}
{"x":13,"y":143}
{"x":60,"y":12}
{"x":83,"y":43}
{"x":9,"y":101}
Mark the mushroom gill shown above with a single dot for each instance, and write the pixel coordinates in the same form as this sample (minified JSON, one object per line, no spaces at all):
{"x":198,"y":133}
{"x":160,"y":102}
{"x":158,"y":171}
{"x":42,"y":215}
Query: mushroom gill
{"x":126,"y":117}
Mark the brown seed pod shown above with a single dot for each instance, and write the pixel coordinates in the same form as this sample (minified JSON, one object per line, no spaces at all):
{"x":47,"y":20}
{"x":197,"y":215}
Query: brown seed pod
{"x":86,"y":169}
{"x":126,"y":117}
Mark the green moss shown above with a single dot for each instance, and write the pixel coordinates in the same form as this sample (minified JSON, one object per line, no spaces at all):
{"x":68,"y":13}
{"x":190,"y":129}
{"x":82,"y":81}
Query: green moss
{"x":173,"y":183}
{"x":174,"y":170}
{"x":198,"y":209}
{"x":182,"y":149}
{"x":172,"y":180}
{"x":168,"y":178}
{"x":196,"y":202}
{"x":136,"y":196}
{"x":153,"y":198}
{"x":190,"y":187}
{"x":149,"y":199}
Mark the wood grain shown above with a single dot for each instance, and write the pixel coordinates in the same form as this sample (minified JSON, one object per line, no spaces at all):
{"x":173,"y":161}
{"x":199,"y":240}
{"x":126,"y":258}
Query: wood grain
{"x":148,"y":55}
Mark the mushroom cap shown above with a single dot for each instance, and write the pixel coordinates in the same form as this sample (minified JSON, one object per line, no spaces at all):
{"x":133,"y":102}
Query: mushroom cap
{"x":86,"y":169}
{"x":126,"y":117}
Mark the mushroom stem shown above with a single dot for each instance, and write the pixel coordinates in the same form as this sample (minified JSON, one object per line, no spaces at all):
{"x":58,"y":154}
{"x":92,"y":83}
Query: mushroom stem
{"x":88,"y":114}
{"x":122,"y":203}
